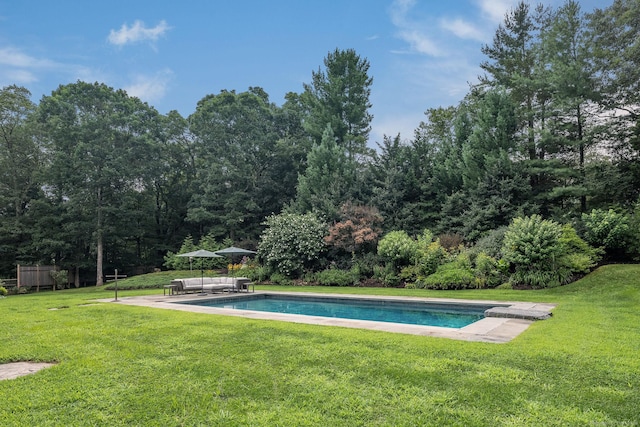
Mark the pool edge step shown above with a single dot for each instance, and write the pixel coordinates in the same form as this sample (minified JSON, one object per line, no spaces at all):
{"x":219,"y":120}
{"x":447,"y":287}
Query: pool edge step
{"x":517,"y":313}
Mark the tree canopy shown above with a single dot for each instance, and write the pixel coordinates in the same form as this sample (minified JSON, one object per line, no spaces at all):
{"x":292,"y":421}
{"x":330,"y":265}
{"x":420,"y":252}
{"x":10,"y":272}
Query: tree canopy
{"x":93,"y":179}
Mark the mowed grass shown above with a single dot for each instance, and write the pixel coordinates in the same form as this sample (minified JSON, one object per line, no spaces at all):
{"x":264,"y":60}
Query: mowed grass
{"x":122,"y":365}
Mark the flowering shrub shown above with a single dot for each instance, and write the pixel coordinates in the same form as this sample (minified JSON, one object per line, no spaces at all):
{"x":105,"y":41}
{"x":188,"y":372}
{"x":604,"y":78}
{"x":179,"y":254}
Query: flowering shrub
{"x":359,"y":227}
{"x":256,"y":273}
{"x":234,"y":269}
{"x":292,"y":242}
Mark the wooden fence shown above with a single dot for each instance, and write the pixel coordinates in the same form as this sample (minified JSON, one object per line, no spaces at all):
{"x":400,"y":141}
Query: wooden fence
{"x":35,"y":277}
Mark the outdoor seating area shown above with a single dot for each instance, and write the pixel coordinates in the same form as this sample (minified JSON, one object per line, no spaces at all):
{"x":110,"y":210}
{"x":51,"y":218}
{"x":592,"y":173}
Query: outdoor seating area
{"x":210,"y":284}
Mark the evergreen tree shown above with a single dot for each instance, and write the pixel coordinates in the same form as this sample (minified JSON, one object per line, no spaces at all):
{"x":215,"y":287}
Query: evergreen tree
{"x":615,"y":35}
{"x":329,"y":180}
{"x":568,"y":56}
{"x":339,"y":97}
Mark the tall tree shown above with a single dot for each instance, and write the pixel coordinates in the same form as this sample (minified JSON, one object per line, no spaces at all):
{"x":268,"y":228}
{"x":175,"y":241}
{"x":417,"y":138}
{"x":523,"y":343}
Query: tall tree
{"x":494,"y":185}
{"x":339,"y":96}
{"x":169,"y":182}
{"x":20,"y":164}
{"x":616,"y":41}
{"x":238,"y":164}
{"x":615,"y":35}
{"x":391,"y":182}
{"x":512,"y":64}
{"x":97,"y":136}
{"x":568,"y":59}
{"x":329,"y":180}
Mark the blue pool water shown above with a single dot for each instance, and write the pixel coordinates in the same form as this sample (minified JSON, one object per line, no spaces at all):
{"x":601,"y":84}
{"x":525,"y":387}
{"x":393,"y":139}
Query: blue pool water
{"x":447,"y":316}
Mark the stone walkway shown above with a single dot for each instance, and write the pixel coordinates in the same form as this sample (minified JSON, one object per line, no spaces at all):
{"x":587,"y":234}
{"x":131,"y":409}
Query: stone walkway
{"x":9,"y":371}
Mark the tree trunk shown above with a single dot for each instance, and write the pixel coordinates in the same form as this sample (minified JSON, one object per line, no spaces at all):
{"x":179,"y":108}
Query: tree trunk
{"x":99,"y":281}
{"x":583,"y":198}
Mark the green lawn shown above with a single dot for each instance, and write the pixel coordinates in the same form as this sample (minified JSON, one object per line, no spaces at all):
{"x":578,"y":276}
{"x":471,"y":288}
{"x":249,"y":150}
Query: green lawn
{"x":122,"y":365}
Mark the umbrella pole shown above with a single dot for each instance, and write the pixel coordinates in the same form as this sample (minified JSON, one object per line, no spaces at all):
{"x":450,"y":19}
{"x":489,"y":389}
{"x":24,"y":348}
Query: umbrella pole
{"x":202,"y":276}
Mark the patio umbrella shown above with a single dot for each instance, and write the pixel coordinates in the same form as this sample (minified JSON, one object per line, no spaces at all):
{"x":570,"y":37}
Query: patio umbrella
{"x":232,"y":251}
{"x":201,"y":253}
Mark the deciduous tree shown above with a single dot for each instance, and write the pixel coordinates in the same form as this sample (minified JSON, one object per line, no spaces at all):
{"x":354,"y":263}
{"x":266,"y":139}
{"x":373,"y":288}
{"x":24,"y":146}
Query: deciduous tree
{"x":96,"y":135}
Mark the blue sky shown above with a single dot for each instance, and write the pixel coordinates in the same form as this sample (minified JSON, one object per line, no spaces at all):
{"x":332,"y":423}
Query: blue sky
{"x":423,"y":53}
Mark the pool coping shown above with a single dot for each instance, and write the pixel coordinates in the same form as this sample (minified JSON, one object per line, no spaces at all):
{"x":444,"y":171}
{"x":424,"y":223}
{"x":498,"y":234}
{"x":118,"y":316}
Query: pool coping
{"x":489,"y":329}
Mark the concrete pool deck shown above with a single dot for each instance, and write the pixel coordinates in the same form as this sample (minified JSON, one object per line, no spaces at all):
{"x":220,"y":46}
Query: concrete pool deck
{"x":488,"y":329}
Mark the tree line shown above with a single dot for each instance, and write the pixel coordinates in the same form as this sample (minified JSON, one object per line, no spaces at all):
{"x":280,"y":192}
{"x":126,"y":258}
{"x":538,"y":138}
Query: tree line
{"x":93,"y":179}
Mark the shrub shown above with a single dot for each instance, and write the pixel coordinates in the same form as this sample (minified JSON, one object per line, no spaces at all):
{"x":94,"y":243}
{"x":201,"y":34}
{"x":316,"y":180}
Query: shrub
{"x":337,"y":277}
{"x":387,"y":275}
{"x":431,"y":258}
{"x":545,"y":254}
{"x":609,"y":230}
{"x":366,"y":263}
{"x":578,"y":255}
{"x":532,"y":246}
{"x":425,"y":239}
{"x":398,"y":248}
{"x":280,"y":279}
{"x":359,"y":227}
{"x":456,"y":274}
{"x":3,"y":291}
{"x":60,"y":278}
{"x":535,"y":278}
{"x":410,"y":273}
{"x":489,"y":272}
{"x":491,"y":243}
{"x":451,"y":241}
{"x":532,"y":243}
{"x":256,"y":273}
{"x":452,"y":275}
{"x":292,"y":242}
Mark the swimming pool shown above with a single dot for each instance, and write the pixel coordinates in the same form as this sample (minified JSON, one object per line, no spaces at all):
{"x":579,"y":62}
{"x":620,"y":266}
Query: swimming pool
{"x":378,"y":310}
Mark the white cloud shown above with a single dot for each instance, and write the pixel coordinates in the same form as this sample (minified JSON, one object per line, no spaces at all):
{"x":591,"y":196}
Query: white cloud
{"x":12,"y":57}
{"x":391,"y":125}
{"x":462,"y":29}
{"x":17,"y":67}
{"x":137,"y":33}
{"x":14,"y":76}
{"x":420,"y":42}
{"x":150,"y":88}
{"x":410,"y":31}
{"x":495,"y":10}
